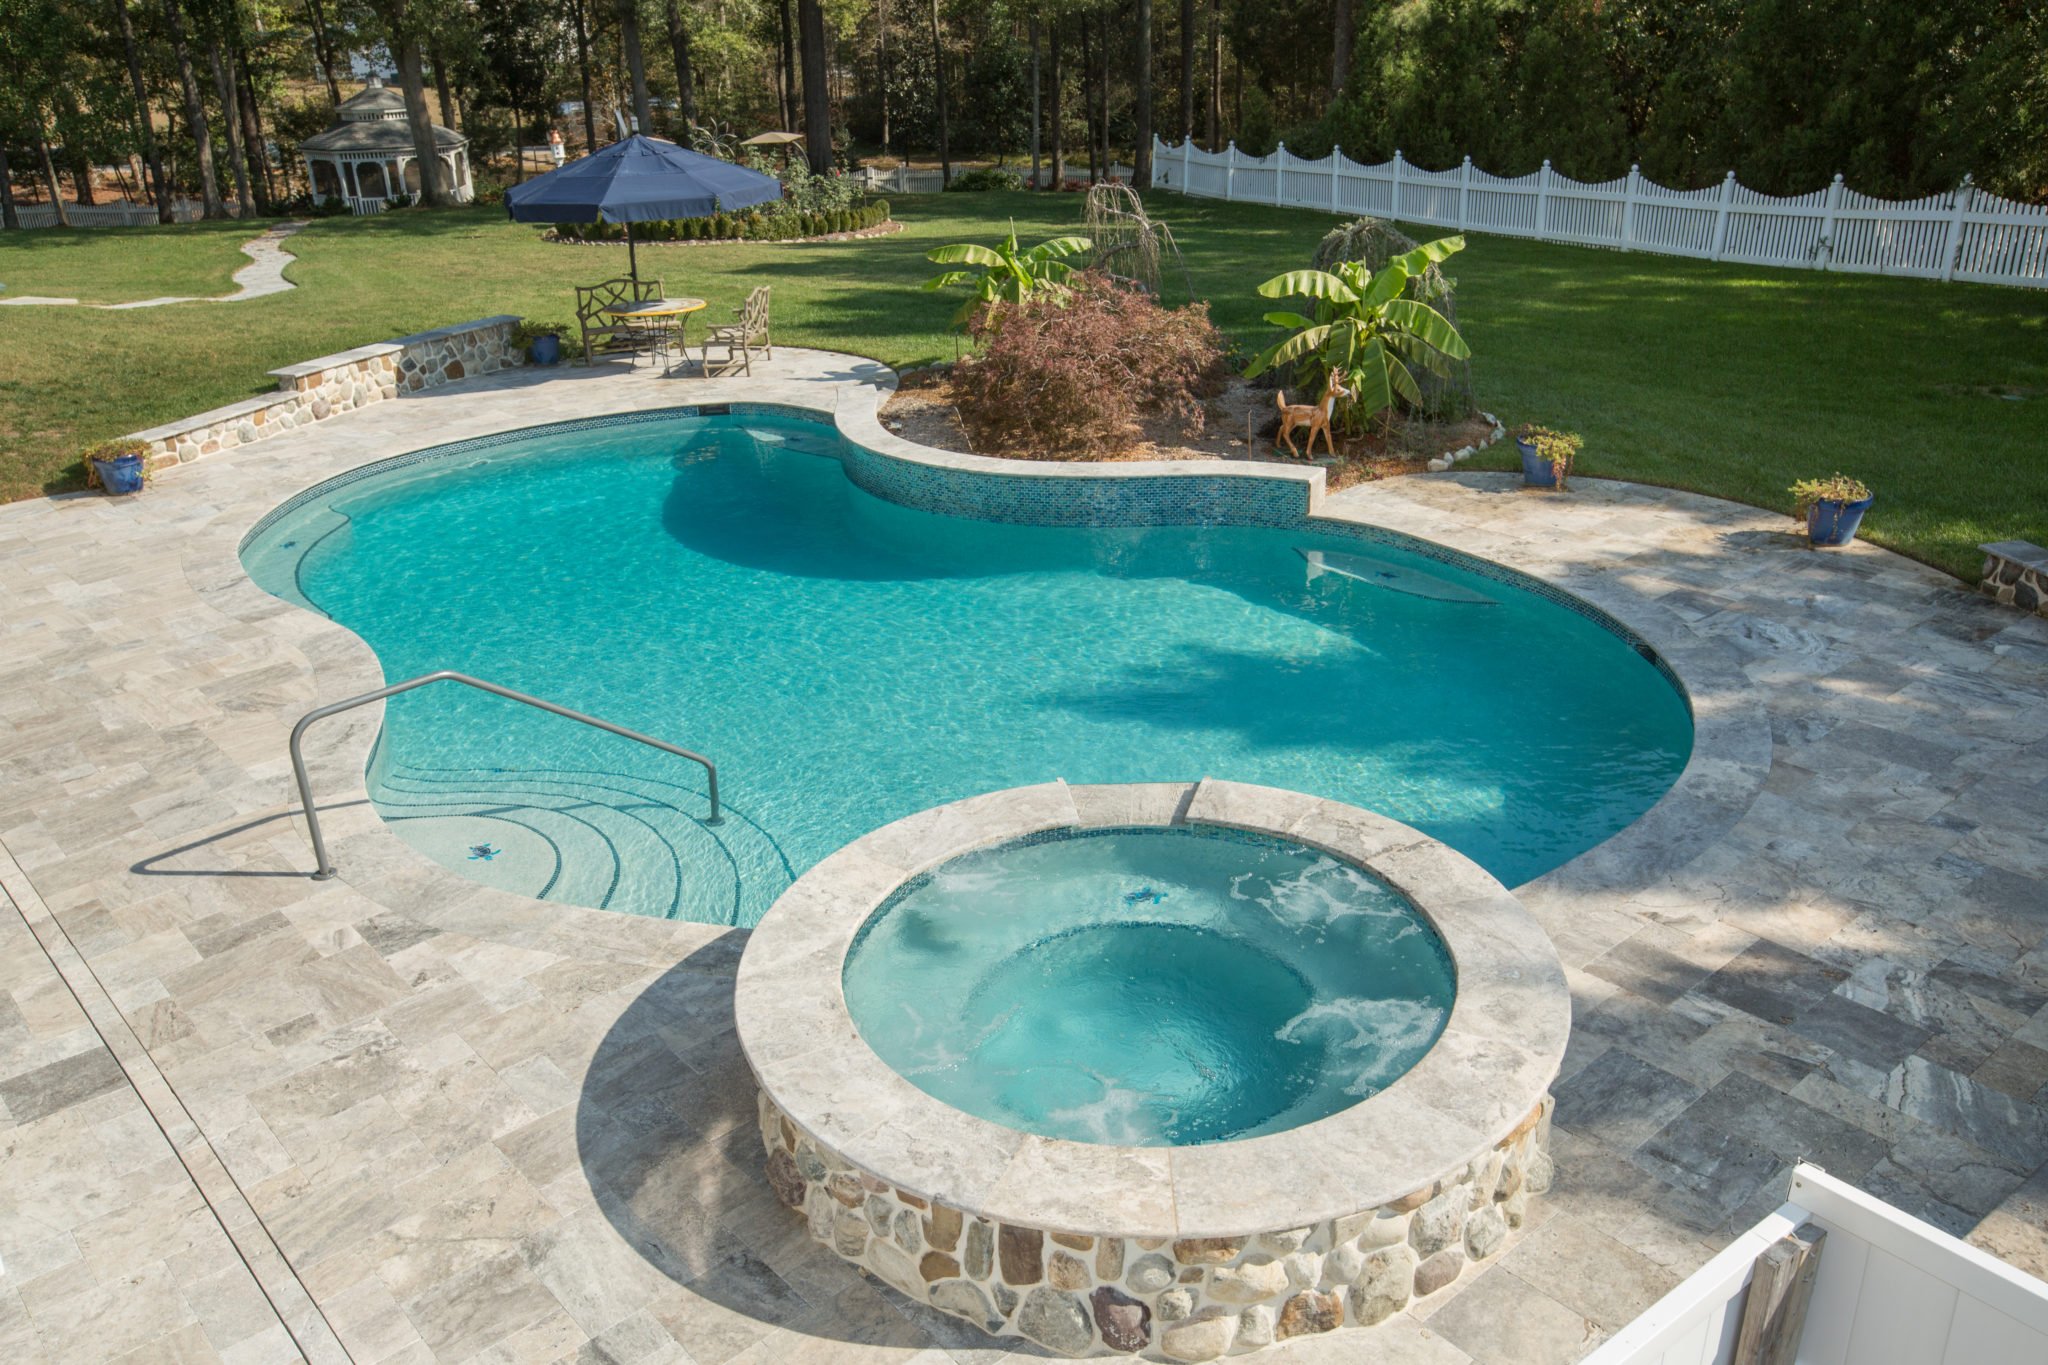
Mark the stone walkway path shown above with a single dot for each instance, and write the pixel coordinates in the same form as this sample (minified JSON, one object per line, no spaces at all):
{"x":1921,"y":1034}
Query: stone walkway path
{"x":262,"y":276}
{"x":473,"y":1126}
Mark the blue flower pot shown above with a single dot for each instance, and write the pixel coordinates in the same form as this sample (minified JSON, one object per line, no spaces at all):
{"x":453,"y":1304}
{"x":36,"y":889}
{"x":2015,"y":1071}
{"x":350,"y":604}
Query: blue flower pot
{"x":545,"y":350}
{"x":122,"y":474}
{"x":1537,"y":472}
{"x":1831,"y":523}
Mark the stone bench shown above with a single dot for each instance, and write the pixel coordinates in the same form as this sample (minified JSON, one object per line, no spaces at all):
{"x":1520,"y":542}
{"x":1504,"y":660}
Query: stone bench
{"x":2016,"y":573}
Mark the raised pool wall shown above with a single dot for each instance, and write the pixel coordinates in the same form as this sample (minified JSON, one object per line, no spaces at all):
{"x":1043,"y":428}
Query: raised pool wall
{"x":1186,"y":1299}
{"x":1173,"y":1253}
{"x":315,"y":390}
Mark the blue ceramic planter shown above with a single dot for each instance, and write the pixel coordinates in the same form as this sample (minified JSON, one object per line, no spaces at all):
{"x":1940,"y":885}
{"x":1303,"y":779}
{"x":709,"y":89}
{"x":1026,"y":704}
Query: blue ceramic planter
{"x":545,"y":350}
{"x":1537,"y":472}
{"x":122,"y":474}
{"x":1830,"y":523}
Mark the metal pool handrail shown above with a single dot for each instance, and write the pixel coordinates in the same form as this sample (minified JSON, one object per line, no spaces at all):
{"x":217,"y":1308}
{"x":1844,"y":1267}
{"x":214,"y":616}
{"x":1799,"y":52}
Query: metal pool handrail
{"x":326,"y":868}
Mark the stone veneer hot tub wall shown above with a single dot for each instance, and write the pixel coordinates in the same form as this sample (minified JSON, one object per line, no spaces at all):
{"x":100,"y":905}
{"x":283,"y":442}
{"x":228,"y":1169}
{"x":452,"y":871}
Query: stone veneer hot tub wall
{"x":1186,"y":1253}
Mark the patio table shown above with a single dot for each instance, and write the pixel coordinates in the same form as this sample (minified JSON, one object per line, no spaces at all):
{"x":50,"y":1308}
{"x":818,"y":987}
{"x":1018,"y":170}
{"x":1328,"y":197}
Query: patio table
{"x":661,"y":319}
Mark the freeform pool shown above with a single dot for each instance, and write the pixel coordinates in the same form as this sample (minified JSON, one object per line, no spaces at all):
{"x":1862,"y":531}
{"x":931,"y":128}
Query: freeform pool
{"x":719,"y":582}
{"x":1149,"y":987}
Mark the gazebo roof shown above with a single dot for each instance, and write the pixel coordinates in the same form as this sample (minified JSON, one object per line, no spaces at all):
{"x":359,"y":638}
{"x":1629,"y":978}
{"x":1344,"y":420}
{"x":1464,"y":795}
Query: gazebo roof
{"x":373,"y":120}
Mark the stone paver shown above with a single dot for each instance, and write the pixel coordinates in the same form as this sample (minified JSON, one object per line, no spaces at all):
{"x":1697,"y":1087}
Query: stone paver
{"x":469,"y":1124}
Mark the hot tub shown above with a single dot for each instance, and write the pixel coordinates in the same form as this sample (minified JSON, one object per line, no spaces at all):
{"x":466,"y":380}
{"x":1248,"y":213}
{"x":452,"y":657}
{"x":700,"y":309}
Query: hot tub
{"x":1162,"y":1069}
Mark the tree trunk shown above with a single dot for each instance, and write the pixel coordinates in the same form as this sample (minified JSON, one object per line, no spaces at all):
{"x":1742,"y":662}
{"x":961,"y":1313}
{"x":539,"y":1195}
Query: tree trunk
{"x":1340,"y":48}
{"x":882,"y":41}
{"x":231,"y":121}
{"x":1088,"y":46}
{"x":1188,"y":21}
{"x":1141,"y":165}
{"x":787,"y":66}
{"x":9,"y":219}
{"x":1053,"y":110}
{"x":1035,"y":111}
{"x":636,"y":65}
{"x":159,"y":184}
{"x":583,"y":65}
{"x":444,"y":89}
{"x":323,"y":48}
{"x":49,"y":168}
{"x":1102,"y":91}
{"x":74,"y":148}
{"x":195,"y":113}
{"x":939,"y":66}
{"x":679,"y":48}
{"x":252,"y":135}
{"x":426,"y":155}
{"x":810,"y":16}
{"x":1215,"y":130}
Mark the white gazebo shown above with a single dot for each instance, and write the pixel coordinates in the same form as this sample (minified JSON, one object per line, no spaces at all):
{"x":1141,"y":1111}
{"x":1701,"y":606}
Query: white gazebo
{"x":368,"y":158}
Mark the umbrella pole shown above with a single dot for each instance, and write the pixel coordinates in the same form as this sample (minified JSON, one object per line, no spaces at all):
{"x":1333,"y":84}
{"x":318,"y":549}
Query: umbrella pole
{"x":632,"y":258}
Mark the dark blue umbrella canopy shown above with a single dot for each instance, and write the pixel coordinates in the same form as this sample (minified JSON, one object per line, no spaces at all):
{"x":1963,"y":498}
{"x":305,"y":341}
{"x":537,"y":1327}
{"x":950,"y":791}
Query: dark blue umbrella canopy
{"x":639,"y":180}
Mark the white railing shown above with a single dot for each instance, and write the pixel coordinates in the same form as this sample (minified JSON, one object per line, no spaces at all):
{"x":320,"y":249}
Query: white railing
{"x":104,"y":215}
{"x":362,"y":206}
{"x":1965,"y":234}
{"x":1891,"y":1290}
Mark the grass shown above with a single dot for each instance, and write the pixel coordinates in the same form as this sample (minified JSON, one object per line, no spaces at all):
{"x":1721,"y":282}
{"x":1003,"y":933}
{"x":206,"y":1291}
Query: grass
{"x":1730,"y":380}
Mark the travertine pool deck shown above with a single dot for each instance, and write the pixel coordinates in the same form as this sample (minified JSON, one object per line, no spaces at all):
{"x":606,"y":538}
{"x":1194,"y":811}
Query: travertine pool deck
{"x":401,"y":1117}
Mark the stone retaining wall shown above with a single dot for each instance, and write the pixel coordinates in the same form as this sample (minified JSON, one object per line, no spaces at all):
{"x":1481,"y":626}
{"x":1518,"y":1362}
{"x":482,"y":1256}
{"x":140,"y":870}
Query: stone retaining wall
{"x":318,"y":389}
{"x":1186,"y":1299}
{"x":2016,"y":573}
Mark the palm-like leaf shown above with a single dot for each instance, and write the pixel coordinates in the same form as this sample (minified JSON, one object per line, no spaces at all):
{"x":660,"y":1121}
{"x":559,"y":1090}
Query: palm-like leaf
{"x":1315,"y":284}
{"x":1430,"y":327}
{"x":1429,"y":254}
{"x":968,"y":253}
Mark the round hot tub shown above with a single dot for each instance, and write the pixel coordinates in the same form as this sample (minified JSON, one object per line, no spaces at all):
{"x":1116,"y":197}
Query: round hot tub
{"x":1153,"y":987}
{"x":1160,"y":1069}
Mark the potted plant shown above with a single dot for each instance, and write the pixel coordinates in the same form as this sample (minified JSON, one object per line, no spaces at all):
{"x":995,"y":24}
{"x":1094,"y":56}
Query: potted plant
{"x":117,"y":466}
{"x":1832,"y":508}
{"x":542,"y":341}
{"x":1546,"y":455}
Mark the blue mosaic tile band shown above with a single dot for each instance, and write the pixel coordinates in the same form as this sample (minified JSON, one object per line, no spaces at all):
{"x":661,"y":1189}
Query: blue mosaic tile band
{"x":1048,"y":499}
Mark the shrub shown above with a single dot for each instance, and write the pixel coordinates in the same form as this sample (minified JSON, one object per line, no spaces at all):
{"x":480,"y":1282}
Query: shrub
{"x":1070,"y":380}
{"x":987,"y":178}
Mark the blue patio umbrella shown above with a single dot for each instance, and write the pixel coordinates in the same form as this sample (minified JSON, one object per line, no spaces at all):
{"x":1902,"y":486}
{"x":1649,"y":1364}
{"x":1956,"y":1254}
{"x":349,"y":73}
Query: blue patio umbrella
{"x":639,"y":180}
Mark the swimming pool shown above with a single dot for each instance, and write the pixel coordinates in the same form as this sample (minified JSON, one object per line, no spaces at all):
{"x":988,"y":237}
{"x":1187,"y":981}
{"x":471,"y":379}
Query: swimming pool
{"x":719,"y":582}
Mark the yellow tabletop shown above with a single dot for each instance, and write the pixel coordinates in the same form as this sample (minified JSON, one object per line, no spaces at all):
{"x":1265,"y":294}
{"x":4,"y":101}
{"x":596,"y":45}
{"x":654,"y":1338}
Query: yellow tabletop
{"x":655,"y":308}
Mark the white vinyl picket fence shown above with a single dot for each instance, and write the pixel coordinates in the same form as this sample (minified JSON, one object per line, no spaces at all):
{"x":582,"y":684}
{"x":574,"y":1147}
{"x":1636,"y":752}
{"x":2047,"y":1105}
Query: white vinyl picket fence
{"x":104,"y":215}
{"x":1966,"y":234}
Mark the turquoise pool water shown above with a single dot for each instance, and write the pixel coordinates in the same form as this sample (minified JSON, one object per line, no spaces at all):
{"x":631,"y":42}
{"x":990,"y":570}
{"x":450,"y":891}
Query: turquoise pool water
{"x":719,"y":583}
{"x":1149,"y":987}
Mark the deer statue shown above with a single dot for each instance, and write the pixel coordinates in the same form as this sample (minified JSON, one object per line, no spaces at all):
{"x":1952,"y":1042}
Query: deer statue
{"x":1315,"y":416}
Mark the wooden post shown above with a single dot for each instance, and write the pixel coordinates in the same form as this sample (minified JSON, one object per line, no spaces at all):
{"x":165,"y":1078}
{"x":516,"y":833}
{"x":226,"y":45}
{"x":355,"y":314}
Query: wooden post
{"x":1721,"y":216}
{"x":1395,"y":211}
{"x":1280,"y":176}
{"x":1543,"y":199}
{"x":1780,"y":1287}
{"x":1965,"y":194}
{"x":1464,"y":193}
{"x":1336,"y":172}
{"x":1827,"y":225}
{"x":1187,"y":152}
{"x":1628,"y":208}
{"x":1230,"y":170}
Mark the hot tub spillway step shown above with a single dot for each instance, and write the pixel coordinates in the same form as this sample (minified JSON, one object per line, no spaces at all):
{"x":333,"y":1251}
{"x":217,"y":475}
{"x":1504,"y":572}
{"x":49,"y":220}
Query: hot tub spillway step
{"x":610,"y":840}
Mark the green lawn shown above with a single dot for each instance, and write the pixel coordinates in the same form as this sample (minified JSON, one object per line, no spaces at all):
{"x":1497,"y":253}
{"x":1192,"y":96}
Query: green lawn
{"x":1731,"y":380}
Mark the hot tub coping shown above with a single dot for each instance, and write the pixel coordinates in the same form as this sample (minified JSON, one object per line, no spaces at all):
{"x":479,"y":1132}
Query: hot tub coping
{"x":1483,"y":1080}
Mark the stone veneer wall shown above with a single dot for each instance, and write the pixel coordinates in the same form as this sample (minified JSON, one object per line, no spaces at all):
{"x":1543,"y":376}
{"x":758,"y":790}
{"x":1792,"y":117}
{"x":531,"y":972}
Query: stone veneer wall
{"x":318,"y":389}
{"x":2016,"y":573}
{"x":1181,"y":1300}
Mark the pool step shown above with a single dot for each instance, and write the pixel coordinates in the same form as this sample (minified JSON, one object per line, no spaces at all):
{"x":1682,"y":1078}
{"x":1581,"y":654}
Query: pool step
{"x":610,"y":840}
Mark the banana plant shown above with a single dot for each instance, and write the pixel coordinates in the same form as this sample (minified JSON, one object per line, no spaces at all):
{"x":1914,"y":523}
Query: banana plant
{"x":1008,"y":276}
{"x":1366,"y":329}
